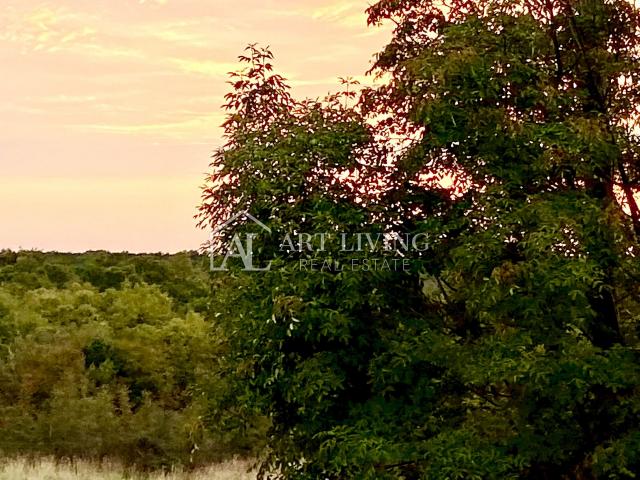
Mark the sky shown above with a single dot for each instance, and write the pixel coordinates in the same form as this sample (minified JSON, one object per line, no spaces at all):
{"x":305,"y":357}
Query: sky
{"x":110,"y":109}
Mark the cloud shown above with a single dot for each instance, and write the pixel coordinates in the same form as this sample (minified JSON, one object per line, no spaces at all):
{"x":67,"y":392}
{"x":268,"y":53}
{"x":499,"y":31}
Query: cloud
{"x":176,"y":36}
{"x":349,"y":15}
{"x":44,"y":28}
{"x":129,"y":69}
{"x":64,"y":99}
{"x":14,"y":108}
{"x":194,"y":126}
{"x":204,"y":67}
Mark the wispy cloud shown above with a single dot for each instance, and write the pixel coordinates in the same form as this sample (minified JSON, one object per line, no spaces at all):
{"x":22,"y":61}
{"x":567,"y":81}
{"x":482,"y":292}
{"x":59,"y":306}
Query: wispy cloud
{"x":43,"y":28}
{"x":64,"y":99}
{"x":204,"y":67}
{"x":203,"y":124}
{"x":347,"y":14}
{"x":344,"y":14}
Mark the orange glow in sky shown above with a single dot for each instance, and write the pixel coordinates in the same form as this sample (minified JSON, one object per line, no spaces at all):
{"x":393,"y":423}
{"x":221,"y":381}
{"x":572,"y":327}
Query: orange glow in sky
{"x":110,"y":109}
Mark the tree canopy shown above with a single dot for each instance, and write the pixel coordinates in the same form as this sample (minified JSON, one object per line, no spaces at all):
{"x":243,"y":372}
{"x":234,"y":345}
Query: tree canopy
{"x":111,"y":356}
{"x":510,"y":348}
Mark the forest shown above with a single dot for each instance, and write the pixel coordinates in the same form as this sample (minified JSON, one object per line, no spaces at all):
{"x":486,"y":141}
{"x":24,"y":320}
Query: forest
{"x":112,"y":356}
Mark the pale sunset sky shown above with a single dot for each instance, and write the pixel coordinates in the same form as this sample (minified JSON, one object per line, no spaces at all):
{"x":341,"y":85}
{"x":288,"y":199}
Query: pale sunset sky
{"x":110,"y":109}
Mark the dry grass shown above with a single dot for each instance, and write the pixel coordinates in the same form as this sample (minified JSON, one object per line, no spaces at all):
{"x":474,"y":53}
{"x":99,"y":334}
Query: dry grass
{"x":49,"y":469}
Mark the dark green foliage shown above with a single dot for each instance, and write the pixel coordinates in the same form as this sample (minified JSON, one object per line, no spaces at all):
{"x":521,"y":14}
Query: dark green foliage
{"x":510,"y":349}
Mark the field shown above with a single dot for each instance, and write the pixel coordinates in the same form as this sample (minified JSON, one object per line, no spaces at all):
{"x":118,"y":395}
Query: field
{"x":49,"y":469}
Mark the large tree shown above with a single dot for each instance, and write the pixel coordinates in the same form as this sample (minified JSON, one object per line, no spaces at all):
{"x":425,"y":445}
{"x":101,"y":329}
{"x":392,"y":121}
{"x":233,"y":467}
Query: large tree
{"x":511,"y":349}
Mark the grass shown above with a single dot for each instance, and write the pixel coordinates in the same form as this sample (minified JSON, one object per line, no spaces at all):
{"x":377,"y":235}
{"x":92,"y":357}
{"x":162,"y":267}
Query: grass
{"x":50,"y":469}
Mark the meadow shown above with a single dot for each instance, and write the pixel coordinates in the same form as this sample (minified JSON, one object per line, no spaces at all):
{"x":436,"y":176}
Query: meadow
{"x":51,"y":469}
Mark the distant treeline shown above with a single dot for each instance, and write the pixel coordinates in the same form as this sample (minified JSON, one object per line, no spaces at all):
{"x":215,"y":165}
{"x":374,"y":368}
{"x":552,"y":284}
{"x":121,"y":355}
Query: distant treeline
{"x":112,"y":355}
